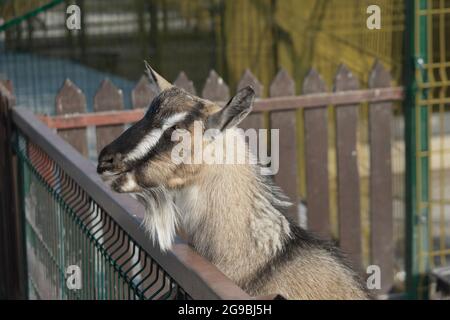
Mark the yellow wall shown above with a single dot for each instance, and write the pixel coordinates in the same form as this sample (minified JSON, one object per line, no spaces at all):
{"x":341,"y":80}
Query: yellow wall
{"x":266,"y":34}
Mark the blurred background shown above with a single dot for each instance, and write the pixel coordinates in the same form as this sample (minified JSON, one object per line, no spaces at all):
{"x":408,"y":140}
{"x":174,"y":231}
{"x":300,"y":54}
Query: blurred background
{"x":194,"y":36}
{"x":38,"y":52}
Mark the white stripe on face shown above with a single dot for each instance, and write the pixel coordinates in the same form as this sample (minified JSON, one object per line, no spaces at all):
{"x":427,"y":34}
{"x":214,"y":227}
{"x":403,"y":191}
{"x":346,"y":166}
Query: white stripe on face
{"x":152,"y":138}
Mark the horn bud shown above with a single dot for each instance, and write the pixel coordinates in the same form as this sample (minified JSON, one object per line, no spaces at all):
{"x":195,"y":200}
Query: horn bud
{"x":155,"y":79}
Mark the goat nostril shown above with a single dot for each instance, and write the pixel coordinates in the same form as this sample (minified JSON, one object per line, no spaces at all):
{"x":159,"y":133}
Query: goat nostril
{"x":109,"y":162}
{"x":105,"y":162}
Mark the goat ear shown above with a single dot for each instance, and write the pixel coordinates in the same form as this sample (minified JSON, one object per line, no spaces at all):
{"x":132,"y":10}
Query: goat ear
{"x":234,"y":111}
{"x":158,"y":83}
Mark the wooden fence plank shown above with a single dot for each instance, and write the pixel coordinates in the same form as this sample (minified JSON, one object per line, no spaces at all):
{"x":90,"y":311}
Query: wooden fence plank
{"x":381,"y":219}
{"x":183,"y":82}
{"x":283,"y":85}
{"x":348,"y":193}
{"x":143,"y":94}
{"x":215,"y":88}
{"x":253,"y":120}
{"x":70,"y":100}
{"x":316,"y":159}
{"x":108,"y":97}
{"x":8,"y":85}
{"x":285,"y":122}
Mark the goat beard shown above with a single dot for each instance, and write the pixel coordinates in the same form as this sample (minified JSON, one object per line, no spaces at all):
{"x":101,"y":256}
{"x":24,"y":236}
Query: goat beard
{"x":161,"y":216}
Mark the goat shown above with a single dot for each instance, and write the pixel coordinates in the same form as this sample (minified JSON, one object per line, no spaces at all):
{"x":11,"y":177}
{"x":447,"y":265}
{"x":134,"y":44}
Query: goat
{"x":231,"y":213}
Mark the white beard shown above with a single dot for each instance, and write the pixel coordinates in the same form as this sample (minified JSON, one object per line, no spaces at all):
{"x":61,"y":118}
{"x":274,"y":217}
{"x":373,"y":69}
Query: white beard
{"x":161,"y":216}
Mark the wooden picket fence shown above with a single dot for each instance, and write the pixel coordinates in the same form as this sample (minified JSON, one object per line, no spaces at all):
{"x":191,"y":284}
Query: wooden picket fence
{"x":304,"y":126}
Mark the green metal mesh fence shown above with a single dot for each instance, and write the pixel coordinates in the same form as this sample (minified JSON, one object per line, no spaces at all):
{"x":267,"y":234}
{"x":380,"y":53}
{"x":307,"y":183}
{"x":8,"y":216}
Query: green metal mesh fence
{"x":66,"y":227}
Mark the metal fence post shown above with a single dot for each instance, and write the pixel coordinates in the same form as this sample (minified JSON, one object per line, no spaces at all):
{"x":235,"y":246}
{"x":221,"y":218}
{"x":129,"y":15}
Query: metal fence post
{"x":12,"y":262}
{"x":416,"y":149}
